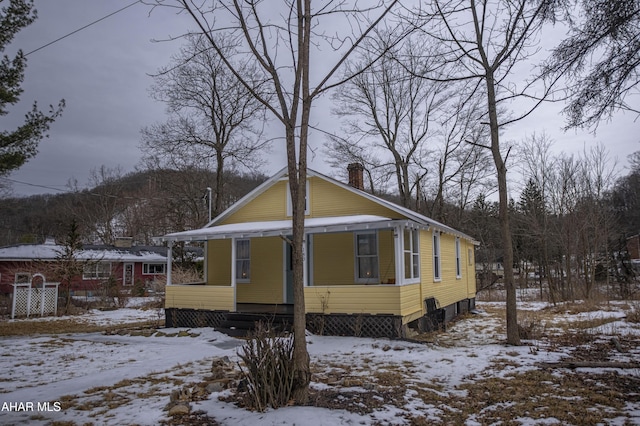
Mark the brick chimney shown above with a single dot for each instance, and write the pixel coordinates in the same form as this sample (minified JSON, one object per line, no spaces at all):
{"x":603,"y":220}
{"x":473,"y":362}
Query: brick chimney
{"x":356,"y":177}
{"x":123,"y":242}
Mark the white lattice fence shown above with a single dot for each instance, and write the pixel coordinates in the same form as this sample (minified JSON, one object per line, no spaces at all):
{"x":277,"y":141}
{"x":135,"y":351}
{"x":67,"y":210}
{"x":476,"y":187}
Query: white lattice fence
{"x":29,"y":300}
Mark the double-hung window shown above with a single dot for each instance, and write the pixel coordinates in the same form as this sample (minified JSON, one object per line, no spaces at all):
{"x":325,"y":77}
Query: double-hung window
{"x":437,"y":273}
{"x":243,"y":260}
{"x":411,"y":255}
{"x":366,"y":257}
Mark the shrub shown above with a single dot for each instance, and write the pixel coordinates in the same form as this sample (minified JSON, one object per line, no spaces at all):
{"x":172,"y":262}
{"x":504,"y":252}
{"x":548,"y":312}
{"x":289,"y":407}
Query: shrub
{"x":139,"y":289}
{"x":267,"y":369}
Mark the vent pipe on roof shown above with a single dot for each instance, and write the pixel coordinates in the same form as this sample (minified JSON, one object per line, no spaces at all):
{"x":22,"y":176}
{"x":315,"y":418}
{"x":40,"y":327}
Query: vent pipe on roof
{"x":356,"y":175}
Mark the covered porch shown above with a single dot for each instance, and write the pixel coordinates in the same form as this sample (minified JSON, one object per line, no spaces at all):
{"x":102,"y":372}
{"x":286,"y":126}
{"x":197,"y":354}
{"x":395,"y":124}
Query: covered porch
{"x":354,"y":265}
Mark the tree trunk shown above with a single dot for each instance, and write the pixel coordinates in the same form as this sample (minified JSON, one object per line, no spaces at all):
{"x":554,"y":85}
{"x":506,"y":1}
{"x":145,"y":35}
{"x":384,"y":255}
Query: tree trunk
{"x":219,"y":184}
{"x":301,"y":361}
{"x":513,"y":335}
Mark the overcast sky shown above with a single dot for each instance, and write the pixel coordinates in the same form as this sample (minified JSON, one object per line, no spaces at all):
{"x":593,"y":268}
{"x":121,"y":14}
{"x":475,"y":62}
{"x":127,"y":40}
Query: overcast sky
{"x":103,"y":74}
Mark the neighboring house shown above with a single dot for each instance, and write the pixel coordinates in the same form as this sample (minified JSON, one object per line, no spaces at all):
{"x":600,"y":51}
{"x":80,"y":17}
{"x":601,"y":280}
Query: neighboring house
{"x":371,"y":267}
{"x":124,"y":262}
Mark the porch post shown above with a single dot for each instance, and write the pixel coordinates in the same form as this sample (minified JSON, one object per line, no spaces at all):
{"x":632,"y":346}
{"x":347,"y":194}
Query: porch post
{"x":169,"y":261}
{"x":233,"y":270}
{"x":305,"y":278}
{"x":398,"y":245}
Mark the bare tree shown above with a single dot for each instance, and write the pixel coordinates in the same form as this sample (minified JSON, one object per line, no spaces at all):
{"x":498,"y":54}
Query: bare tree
{"x":211,"y":114}
{"x":387,"y":106}
{"x":100,"y":206}
{"x":486,"y":39}
{"x":600,"y":58}
{"x":456,"y":152}
{"x":280,"y":44}
{"x":341,"y":151}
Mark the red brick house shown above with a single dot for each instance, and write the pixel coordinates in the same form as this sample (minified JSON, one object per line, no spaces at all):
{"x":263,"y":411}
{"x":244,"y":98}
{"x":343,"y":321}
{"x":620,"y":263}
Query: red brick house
{"x":124,"y":262}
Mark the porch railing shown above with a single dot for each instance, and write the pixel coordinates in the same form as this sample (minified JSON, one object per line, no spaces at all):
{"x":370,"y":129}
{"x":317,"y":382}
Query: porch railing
{"x":210,"y":297}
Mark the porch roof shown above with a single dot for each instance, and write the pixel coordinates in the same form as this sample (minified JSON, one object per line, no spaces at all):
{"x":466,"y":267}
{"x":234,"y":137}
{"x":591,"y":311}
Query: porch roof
{"x":283,"y":227}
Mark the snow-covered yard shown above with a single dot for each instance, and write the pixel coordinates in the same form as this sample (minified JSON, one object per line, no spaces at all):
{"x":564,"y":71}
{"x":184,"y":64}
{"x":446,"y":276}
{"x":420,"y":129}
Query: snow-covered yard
{"x":464,"y":376}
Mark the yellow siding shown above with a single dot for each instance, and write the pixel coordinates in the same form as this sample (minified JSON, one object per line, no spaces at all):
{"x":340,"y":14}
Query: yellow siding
{"x":328,"y":199}
{"x":270,"y":205}
{"x":219,"y":262}
{"x":333,"y":259}
{"x":386,"y":257}
{"x":199,"y":297}
{"x":410,"y":300}
{"x":449,"y":289}
{"x":266,"y":273}
{"x":354,"y":299}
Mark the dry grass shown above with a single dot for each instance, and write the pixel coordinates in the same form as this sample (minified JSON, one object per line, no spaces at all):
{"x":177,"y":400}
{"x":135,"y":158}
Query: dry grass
{"x":64,"y":326}
{"x":633,"y":313}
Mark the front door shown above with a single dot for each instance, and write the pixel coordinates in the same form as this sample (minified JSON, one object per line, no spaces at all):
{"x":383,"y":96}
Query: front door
{"x":288,"y":268}
{"x":127,"y":278}
{"x":288,"y":273}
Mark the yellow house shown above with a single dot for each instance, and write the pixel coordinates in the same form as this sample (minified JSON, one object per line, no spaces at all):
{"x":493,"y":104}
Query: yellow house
{"x":372,"y":267}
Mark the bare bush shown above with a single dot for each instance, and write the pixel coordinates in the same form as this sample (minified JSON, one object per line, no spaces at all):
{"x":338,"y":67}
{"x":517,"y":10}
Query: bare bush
{"x":267,"y":369}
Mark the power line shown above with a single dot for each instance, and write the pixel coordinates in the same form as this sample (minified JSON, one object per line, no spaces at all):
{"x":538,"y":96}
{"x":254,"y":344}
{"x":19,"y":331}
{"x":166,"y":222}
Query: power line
{"x":33,"y":184}
{"x":82,"y":28}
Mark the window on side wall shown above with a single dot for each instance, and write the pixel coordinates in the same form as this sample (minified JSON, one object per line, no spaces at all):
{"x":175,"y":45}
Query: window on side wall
{"x":411,"y":255}
{"x":154,"y":268}
{"x":437,"y":273}
{"x":458,"y":259}
{"x":243,"y":261}
{"x":366,"y":257}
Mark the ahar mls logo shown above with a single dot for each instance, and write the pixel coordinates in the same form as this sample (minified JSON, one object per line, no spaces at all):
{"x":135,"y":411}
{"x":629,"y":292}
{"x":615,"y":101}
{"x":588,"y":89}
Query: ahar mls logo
{"x":31,"y":406}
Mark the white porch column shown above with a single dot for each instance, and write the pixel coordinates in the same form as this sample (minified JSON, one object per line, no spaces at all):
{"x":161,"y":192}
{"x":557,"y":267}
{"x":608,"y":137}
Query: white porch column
{"x":305,"y":266}
{"x":398,"y":249}
{"x":233,"y":271}
{"x":233,"y":261}
{"x":169,"y":261}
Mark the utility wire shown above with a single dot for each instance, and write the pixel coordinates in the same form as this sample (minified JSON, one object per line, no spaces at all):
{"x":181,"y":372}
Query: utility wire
{"x":80,"y":29}
{"x":33,"y":184}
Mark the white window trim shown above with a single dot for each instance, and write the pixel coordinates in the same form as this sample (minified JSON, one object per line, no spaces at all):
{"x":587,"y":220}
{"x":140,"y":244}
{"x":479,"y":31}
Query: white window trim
{"x":357,"y":279}
{"x":412,"y":251}
{"x":248,"y":279}
{"x":145,"y":269}
{"x":458,"y":259}
{"x":27,"y":274}
{"x":437,"y":257}
{"x":94,"y":275}
{"x":307,"y":209}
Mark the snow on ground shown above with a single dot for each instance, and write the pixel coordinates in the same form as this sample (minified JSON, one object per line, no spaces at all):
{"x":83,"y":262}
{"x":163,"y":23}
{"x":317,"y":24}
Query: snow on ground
{"x":116,"y":379}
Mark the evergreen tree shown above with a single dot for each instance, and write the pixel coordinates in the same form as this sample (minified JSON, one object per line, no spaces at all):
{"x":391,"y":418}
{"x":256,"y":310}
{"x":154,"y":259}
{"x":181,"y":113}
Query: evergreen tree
{"x":19,"y":145}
